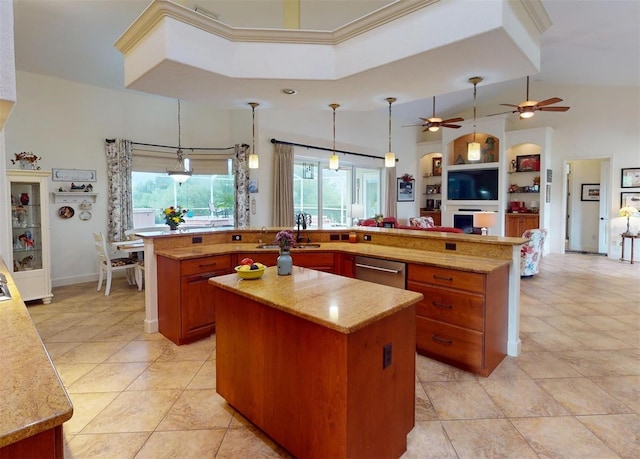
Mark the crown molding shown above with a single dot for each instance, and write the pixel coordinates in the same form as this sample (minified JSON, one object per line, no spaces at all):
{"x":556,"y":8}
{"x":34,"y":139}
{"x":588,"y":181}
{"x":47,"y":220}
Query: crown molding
{"x":537,"y":13}
{"x":161,"y":9}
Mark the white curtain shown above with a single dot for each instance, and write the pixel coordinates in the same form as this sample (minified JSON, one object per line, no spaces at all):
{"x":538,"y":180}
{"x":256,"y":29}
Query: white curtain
{"x":283,"y":186}
{"x":119,"y":199}
{"x":391,"y":194}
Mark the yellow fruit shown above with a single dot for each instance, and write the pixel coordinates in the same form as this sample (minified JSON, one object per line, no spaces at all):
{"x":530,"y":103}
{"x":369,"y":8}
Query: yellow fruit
{"x":245,"y":268}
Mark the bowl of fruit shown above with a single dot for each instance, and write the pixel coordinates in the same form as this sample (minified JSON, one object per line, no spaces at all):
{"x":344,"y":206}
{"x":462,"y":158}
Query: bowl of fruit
{"x":248,"y":269}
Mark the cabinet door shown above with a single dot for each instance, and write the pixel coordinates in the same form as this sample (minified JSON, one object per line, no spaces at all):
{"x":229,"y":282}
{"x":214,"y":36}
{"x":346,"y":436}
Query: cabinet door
{"x":321,"y":261}
{"x":198,"y":307}
{"x":529,"y":222}
{"x":347,"y":265}
{"x":512,"y":225}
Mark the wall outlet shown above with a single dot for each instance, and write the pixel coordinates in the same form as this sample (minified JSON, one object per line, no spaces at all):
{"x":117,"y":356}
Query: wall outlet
{"x":367,"y":237}
{"x":196,"y":240}
{"x":236,"y":237}
{"x":450,"y":246}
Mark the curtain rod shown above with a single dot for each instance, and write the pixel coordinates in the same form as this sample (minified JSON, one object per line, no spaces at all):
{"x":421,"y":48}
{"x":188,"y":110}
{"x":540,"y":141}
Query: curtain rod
{"x":174,"y":148}
{"x":326,"y":149}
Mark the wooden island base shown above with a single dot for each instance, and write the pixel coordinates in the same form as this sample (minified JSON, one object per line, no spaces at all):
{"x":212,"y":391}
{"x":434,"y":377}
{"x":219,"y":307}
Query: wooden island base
{"x":316,"y":391}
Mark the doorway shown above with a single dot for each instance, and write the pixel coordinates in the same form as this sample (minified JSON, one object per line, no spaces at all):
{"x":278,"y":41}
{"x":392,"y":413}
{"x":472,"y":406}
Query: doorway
{"x":588,"y":191}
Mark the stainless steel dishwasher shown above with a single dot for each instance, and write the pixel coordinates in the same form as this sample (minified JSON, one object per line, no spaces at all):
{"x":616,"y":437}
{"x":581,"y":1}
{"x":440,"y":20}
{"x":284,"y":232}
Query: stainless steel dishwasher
{"x":392,"y":273}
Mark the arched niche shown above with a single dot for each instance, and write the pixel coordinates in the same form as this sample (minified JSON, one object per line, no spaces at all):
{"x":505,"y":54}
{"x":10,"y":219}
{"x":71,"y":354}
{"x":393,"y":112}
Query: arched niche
{"x":489,"y":149}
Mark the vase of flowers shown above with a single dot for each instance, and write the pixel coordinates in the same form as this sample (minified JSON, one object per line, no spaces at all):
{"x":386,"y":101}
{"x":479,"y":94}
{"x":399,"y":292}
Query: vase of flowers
{"x":285,"y":240}
{"x":27,"y":160}
{"x":173,"y":216}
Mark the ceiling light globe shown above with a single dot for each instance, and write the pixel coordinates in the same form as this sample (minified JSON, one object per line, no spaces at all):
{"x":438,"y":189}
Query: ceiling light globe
{"x":334,"y":162}
{"x":526,"y":115}
{"x":434,"y":128}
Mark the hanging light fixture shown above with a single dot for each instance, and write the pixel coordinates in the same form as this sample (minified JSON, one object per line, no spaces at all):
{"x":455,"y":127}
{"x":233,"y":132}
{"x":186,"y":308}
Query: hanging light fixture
{"x":389,"y":156}
{"x":181,"y":173}
{"x":334,"y":161}
{"x":254,"y":161}
{"x":473,"y":148}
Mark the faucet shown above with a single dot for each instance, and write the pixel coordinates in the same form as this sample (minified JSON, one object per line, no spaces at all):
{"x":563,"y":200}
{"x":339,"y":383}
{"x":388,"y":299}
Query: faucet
{"x":302,"y":219}
{"x":263,"y":231}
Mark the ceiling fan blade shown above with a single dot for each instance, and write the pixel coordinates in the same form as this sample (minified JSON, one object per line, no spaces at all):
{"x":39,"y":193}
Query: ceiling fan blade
{"x":413,"y":125}
{"x":453,"y":126}
{"x":553,"y":109}
{"x":502,"y":113}
{"x":553,"y":100}
{"x":453,"y":120}
{"x":509,"y":105}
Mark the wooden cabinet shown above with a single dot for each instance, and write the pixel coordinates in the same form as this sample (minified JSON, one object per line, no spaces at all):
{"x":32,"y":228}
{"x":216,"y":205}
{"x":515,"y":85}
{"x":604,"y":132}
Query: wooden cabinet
{"x":29,"y":230}
{"x":346,"y":265}
{"x":187,"y":313}
{"x":462,"y":319}
{"x":516,"y":224}
{"x":43,"y":445}
{"x":436,"y":215}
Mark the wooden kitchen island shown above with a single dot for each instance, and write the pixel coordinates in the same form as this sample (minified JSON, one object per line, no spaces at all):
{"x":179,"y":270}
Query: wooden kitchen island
{"x":323,"y":364}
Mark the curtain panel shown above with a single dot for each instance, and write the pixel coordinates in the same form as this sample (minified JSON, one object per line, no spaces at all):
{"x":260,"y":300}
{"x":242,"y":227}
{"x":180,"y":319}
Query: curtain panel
{"x":119,"y":190}
{"x":241,"y":172}
{"x":283,"y":186}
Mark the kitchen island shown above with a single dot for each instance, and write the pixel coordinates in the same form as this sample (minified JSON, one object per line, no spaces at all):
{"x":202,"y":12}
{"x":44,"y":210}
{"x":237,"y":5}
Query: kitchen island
{"x":35,"y":403}
{"x":315,"y":363}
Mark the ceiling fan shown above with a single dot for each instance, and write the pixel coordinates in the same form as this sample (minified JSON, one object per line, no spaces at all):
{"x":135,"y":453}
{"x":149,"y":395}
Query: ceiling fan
{"x":434,"y":124}
{"x":528,"y":108}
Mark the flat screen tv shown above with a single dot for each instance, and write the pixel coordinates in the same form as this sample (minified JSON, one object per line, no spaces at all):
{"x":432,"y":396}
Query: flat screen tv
{"x":473,"y":185}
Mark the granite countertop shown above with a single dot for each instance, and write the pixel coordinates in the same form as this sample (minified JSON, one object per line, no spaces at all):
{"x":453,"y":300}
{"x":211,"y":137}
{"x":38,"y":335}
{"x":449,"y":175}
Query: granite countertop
{"x":409,"y":255}
{"x":33,"y":397}
{"x":336,"y":302}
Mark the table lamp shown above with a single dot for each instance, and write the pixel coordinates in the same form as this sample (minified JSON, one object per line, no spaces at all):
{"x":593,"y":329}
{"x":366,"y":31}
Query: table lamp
{"x":484,"y":220}
{"x":628,"y":212}
{"x":357,"y":212}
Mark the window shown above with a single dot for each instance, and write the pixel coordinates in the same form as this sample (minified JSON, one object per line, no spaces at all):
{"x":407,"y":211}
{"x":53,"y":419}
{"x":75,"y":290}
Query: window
{"x":327,"y":195}
{"x":209,"y":197}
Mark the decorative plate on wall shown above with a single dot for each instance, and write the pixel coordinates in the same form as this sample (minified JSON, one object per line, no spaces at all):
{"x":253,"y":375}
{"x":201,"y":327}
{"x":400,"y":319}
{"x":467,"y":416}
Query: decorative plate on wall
{"x":66,"y":212}
{"x":85,"y":215}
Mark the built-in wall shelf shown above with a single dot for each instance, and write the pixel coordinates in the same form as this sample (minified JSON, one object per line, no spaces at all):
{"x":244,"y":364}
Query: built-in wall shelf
{"x":73,"y":196}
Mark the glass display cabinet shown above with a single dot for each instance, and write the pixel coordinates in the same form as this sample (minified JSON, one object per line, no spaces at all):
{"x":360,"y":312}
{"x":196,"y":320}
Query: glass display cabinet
{"x":29,"y":229}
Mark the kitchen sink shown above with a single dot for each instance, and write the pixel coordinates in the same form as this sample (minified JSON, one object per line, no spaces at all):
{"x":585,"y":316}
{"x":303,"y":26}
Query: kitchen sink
{"x":306,"y":246}
{"x":4,"y":289}
{"x":268,"y":246}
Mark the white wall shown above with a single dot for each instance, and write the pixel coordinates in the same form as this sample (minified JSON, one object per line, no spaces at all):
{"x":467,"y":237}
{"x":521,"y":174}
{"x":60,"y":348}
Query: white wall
{"x":584,"y":215}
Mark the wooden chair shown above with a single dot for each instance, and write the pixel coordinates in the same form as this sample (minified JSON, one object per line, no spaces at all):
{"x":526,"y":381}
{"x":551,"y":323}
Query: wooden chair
{"x":107,"y":265}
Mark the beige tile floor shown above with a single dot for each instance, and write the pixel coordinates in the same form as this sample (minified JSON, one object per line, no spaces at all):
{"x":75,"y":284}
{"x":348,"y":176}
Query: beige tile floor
{"x":573,"y":392}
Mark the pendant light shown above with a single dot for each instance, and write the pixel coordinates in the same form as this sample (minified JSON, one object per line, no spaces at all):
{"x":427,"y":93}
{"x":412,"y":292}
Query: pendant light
{"x":254,"y":161}
{"x":390,"y":157}
{"x":181,"y":173}
{"x":334,"y":161}
{"x":473,"y":149}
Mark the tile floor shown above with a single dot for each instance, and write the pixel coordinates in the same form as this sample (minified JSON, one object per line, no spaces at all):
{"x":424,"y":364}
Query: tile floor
{"x":573,"y":392}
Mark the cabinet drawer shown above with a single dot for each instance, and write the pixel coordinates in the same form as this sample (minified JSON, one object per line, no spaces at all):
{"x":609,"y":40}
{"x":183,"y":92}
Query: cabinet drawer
{"x":205,"y":265}
{"x":472,"y":282}
{"x":317,"y":260}
{"x":449,"y":342}
{"x":451,"y":306}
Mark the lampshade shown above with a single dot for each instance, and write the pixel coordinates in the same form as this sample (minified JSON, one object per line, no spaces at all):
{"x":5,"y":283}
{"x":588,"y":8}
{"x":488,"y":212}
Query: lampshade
{"x":334,"y":161}
{"x":254,"y":161}
{"x":390,"y":157}
{"x":629,"y":212}
{"x":473,"y":151}
{"x":484,"y":220}
{"x":181,"y":173}
{"x":357,"y":210}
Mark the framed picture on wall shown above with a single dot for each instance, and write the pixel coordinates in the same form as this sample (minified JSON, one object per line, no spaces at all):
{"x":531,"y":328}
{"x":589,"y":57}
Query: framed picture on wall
{"x":590,"y":192}
{"x":406,"y":190}
{"x":630,"y":178}
{"x":436,"y":164}
{"x":630,"y":199}
{"x":527,"y":163}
